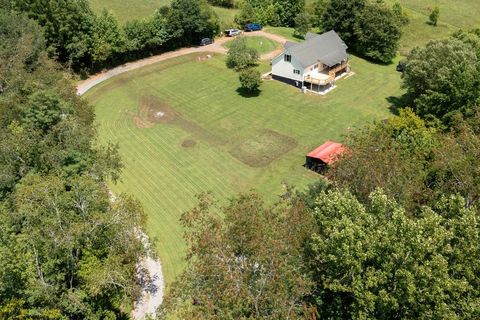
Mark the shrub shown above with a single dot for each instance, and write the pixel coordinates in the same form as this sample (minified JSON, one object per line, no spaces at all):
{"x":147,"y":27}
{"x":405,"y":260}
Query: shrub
{"x":250,"y":79}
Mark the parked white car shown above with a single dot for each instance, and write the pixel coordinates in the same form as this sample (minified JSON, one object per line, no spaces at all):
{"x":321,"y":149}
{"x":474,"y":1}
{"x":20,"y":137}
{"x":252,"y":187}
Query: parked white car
{"x":232,"y":32}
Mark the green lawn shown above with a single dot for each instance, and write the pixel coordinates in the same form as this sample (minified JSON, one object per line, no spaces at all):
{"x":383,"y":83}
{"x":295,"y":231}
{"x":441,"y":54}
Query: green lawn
{"x":261,"y":44}
{"x":126,"y":10}
{"x":184,"y":129}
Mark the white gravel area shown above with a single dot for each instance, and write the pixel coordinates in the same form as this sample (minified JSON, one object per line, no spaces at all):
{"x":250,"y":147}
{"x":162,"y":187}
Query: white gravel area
{"x":150,"y":276}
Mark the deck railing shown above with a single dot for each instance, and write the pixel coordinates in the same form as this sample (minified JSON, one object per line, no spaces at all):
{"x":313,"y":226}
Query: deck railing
{"x":331,"y":75}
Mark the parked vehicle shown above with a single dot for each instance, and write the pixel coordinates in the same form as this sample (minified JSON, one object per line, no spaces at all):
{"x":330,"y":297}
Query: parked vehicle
{"x":232,"y":32}
{"x":206,"y":41}
{"x":253,"y":27}
{"x":401,"y":65}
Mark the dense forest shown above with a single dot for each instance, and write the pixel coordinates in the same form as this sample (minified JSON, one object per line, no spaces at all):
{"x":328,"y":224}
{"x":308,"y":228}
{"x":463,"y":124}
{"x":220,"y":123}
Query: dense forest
{"x":67,"y":251}
{"x":391,"y":232}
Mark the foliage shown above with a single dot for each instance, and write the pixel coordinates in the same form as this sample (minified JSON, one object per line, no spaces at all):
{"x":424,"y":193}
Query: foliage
{"x":400,"y":13}
{"x":240,"y":56}
{"x":87,"y":41}
{"x":108,"y":39}
{"x":377,"y":32}
{"x":222,"y":3}
{"x":272,"y":12}
{"x":434,"y":16}
{"x":148,"y":34}
{"x":372,"y":260}
{"x":44,"y":110}
{"x":439,"y":89}
{"x":303,"y":23}
{"x":245,"y":265}
{"x":319,"y":7}
{"x":287,"y":10}
{"x":67,"y":25}
{"x":456,"y":162}
{"x":191,"y":20}
{"x":246,"y":14}
{"x":370,"y":28}
{"x":67,"y":251}
{"x":79,"y":252}
{"x":20,"y":52}
{"x":341,"y":16}
{"x":392,"y":155}
{"x":250,"y":79}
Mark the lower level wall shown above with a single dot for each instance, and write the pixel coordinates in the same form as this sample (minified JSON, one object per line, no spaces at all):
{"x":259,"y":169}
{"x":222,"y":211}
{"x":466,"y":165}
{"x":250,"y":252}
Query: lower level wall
{"x":292,"y":82}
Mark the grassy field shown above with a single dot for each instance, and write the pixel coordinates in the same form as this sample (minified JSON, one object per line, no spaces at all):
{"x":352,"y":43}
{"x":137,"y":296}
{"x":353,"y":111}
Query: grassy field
{"x":261,"y":44}
{"x":126,"y":10}
{"x":184,"y":129}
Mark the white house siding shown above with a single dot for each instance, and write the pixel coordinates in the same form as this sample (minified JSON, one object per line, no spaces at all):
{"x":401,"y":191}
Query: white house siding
{"x":285,"y":69}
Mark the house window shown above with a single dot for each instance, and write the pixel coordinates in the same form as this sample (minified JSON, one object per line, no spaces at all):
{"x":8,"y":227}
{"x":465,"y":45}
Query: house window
{"x":287,"y":58}
{"x":296,"y":71}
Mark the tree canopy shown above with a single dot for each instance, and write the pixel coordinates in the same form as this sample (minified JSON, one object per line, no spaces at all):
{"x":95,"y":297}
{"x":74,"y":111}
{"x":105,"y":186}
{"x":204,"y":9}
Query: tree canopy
{"x":68,"y":251}
{"x":370,"y":28}
{"x":439,"y":89}
{"x":245,"y":265}
{"x":240,"y":56}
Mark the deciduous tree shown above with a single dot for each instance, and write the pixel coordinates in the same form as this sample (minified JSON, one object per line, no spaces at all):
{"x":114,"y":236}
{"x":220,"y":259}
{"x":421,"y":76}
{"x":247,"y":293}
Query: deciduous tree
{"x":303,"y":23}
{"x":341,"y":16}
{"x":372,"y":260}
{"x":250,"y":79}
{"x":240,"y":56}
{"x":245,"y":265}
{"x":377,"y":32}
{"x":441,"y":89}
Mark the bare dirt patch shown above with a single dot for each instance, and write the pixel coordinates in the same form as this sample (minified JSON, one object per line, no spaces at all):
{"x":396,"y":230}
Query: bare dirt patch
{"x":263,"y":148}
{"x":151,"y":110}
{"x":154,"y":110}
{"x":189,"y":143}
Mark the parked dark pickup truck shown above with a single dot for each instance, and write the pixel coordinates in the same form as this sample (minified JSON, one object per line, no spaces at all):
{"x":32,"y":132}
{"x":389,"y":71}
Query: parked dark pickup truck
{"x":253,"y":27}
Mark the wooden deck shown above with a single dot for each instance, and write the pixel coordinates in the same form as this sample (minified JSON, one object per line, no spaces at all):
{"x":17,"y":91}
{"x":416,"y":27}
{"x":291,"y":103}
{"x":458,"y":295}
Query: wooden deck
{"x":327,"y":78}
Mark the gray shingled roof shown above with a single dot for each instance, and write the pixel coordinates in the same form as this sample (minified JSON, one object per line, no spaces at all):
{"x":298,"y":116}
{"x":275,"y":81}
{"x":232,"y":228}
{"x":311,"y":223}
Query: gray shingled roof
{"x":327,"y":48}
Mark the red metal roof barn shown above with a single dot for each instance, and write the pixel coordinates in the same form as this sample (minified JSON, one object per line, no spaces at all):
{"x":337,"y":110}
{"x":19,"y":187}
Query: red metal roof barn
{"x":324,"y":155}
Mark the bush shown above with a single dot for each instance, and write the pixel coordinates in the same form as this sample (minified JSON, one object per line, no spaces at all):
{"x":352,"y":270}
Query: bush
{"x":434,"y":15}
{"x":241,"y":57}
{"x":250,"y":80}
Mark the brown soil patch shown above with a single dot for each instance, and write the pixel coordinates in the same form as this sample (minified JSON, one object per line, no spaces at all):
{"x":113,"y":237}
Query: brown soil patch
{"x":263,"y":148}
{"x":151,"y":111}
{"x":154,"y":110}
{"x":189,"y":143}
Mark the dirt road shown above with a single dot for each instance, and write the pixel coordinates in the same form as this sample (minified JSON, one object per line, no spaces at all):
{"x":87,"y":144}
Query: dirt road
{"x":216,"y":47}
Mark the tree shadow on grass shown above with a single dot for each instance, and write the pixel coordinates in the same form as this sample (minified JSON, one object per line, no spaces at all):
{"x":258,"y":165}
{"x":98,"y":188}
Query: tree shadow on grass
{"x":398,"y":102}
{"x":247,"y":93}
